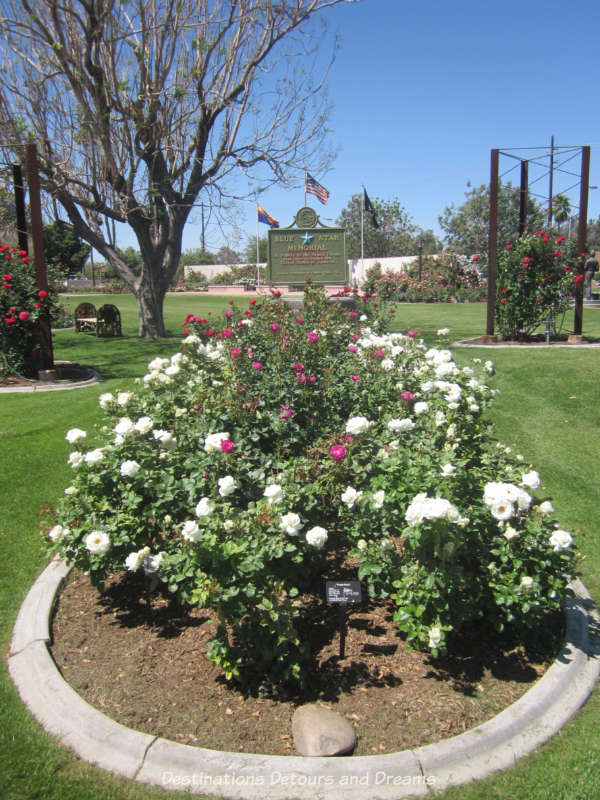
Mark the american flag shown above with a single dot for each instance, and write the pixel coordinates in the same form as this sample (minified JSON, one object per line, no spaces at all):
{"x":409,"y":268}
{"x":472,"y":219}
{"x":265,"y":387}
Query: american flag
{"x":314,"y":187}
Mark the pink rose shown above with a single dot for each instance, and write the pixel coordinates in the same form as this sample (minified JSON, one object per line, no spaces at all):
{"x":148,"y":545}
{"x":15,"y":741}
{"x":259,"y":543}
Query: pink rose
{"x":338,"y":451}
{"x":227,"y":446}
{"x":408,"y":397}
{"x":256,"y":365}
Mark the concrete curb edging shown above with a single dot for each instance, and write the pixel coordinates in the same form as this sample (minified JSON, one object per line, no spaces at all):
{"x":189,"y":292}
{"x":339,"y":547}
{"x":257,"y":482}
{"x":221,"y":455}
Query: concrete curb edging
{"x":473,"y":755}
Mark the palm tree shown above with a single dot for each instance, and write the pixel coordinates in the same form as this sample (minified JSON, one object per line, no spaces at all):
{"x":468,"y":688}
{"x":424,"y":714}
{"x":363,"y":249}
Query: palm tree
{"x":561,"y":209}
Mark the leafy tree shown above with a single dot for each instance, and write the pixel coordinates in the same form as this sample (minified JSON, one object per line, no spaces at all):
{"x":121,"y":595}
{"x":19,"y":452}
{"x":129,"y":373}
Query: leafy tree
{"x":395,"y":235}
{"x":196,"y":256}
{"x":467,"y":227}
{"x":250,"y":251}
{"x":140,"y":108}
{"x":63,"y":249}
{"x":227,"y":255}
{"x":593,"y":234}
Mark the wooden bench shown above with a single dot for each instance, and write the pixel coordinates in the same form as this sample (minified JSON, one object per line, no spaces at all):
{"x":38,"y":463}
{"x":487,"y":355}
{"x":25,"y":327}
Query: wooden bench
{"x":86,"y":318}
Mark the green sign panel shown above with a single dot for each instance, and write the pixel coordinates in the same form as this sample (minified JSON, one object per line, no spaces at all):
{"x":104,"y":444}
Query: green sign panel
{"x":307,"y":249}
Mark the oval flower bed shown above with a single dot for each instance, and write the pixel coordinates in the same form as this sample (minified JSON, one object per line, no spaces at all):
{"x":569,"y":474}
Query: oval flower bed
{"x":283,"y":447}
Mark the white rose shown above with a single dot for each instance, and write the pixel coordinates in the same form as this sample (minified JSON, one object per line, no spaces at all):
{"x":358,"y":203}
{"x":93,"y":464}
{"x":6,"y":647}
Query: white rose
{"x":105,"y":400}
{"x":94,"y":457}
{"x":75,"y":435}
{"x":420,"y":407}
{"x":129,"y":469}
{"x":124,"y":427}
{"x":165,"y":438}
{"x":502,"y":510}
{"x":144,"y":425}
{"x":273,"y":493}
{"x":316,"y":537}
{"x":443,"y":332}
{"x":526,"y":582}
{"x":448,"y":470}
{"x":510,"y":533}
{"x":213,"y":441}
{"x":560,"y":540}
{"x":546,"y":507}
{"x":123,"y":398}
{"x":435,"y":637}
{"x":97,"y":542}
{"x":190,"y":531}
{"x":361,"y":545}
{"x":350,"y":496}
{"x":75,"y":459}
{"x":227,"y":486}
{"x":405,"y":424}
{"x":71,"y":490}
{"x":172,"y":369}
{"x":356,"y":425}
{"x":205,"y":507}
{"x":134,"y":560}
{"x":378,"y":498}
{"x":58,"y":533}
{"x":290,"y":523}
{"x":531,"y":480}
{"x":387,"y":364}
{"x":228,"y":525}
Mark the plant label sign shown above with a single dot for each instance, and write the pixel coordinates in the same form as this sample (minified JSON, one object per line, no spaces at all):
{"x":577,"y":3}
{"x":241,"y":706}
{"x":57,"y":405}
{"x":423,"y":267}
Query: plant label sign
{"x":343,"y":591}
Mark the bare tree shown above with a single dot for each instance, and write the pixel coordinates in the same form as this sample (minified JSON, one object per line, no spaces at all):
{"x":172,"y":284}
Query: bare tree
{"x":140,"y":107}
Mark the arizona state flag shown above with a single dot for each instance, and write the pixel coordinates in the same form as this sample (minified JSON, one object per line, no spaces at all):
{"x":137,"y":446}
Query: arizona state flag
{"x":369,"y":208}
{"x":266,"y":218}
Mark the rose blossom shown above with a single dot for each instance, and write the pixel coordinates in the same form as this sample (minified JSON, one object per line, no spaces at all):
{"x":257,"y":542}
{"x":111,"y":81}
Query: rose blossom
{"x":337,"y":451}
{"x":227,"y":446}
{"x":357,"y":425}
{"x":435,"y":637}
{"x":227,"y":485}
{"x":290,"y":523}
{"x":190,"y":531}
{"x":97,"y":542}
{"x":94,"y":457}
{"x":205,"y":507}
{"x":129,"y":469}
{"x":560,"y":540}
{"x":273,"y":493}
{"x":316,"y":537}
{"x":350,"y":496}
{"x":213,"y":441}
{"x":74,"y":435}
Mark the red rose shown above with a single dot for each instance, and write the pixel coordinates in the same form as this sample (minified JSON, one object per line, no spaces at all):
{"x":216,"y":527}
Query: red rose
{"x":43,"y":294}
{"x":24,"y":316}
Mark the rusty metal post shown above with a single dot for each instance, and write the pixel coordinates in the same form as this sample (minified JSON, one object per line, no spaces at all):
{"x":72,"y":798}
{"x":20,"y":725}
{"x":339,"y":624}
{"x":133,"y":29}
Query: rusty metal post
{"x":523,"y":197}
{"x":492,"y":242}
{"x":37,"y":235}
{"x":582,"y":234}
{"x":20,"y":207}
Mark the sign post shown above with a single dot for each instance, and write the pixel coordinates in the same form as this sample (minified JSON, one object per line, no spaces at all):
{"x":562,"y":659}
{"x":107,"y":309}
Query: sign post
{"x":342,"y":593}
{"x":307,"y":249}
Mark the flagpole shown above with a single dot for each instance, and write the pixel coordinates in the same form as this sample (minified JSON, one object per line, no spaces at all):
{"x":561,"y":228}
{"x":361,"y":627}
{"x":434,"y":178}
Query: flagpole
{"x":257,"y":267}
{"x":305,"y":173}
{"x":362,"y":235}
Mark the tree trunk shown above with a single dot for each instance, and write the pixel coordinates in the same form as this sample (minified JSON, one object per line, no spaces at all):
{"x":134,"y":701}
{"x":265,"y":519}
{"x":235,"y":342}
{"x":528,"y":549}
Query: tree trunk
{"x":151,"y":322}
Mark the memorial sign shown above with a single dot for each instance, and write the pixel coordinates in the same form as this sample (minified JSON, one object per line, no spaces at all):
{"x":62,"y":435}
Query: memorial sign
{"x":307,"y":249}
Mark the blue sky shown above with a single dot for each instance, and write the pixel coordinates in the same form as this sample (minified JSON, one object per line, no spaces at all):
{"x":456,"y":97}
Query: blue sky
{"x":423,"y":91}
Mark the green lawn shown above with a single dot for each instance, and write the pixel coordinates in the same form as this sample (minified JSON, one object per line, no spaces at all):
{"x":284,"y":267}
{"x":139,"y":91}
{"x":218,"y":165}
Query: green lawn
{"x":547,"y":409}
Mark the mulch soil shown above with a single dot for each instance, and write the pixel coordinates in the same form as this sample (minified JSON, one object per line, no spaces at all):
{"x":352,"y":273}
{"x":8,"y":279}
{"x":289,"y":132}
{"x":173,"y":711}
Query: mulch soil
{"x":141,"y":662}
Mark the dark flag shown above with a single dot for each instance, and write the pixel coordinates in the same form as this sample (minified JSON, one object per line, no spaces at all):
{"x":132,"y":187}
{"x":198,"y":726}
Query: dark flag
{"x":312,"y":186}
{"x":369,"y":208}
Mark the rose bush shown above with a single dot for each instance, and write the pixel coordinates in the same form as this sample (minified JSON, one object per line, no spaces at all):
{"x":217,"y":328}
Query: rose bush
{"x":536,"y":278}
{"x":21,"y":303}
{"x":239,"y":489}
{"x":444,"y":278}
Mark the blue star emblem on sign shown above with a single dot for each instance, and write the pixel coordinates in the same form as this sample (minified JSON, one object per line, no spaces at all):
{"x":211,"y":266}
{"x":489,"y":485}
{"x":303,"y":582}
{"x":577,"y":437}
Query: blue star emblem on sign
{"x":307,"y":238}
